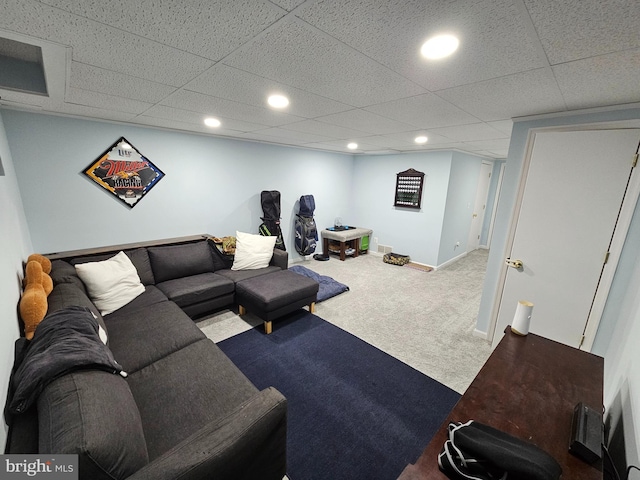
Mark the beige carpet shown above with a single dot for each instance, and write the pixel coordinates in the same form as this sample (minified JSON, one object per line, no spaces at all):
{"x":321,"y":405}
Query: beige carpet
{"x":425,"y":319}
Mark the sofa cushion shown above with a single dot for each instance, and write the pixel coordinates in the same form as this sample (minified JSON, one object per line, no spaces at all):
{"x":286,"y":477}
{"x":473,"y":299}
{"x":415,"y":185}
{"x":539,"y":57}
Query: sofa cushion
{"x":177,"y":261}
{"x":111,"y":283}
{"x":150,"y":296}
{"x":66,"y":295}
{"x":196,"y":288}
{"x":93,"y":414}
{"x":147,"y":334}
{"x":64,"y":272}
{"x":252,"y":251}
{"x":205,"y":386}
{"x":239,"y":275}
{"x":138,"y":256}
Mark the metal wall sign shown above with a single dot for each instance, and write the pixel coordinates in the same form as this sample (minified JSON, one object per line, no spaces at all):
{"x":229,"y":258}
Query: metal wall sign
{"x":125,"y":172}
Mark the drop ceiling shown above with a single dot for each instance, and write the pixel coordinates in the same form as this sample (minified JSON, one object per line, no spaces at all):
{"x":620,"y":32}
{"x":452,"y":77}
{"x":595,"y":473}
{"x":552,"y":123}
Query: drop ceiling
{"x":351,"y":68}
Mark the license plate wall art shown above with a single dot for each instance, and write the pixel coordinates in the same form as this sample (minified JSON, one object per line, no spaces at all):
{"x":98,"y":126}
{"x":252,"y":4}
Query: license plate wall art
{"x":125,"y":172}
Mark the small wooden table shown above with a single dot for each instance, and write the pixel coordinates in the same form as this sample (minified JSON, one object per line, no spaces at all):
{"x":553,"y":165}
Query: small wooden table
{"x":349,"y":237}
{"x":528,"y":388}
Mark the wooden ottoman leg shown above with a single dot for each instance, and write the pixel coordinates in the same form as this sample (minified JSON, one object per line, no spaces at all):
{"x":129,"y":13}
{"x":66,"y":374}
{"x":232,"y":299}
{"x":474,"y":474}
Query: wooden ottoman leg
{"x":312,"y":307}
{"x":242,"y":310}
{"x":267,"y":327}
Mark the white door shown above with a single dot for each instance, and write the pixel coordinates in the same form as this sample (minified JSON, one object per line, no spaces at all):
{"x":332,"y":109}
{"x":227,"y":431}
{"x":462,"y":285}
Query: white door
{"x":574,"y":189}
{"x":480,"y":206}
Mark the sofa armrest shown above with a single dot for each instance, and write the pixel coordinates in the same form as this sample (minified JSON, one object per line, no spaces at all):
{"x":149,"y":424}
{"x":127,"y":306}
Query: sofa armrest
{"x":280,"y":259}
{"x":249,"y":443}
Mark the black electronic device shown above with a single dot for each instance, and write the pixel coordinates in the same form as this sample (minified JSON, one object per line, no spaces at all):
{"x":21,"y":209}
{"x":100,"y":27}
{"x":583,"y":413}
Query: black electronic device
{"x":587,"y":433}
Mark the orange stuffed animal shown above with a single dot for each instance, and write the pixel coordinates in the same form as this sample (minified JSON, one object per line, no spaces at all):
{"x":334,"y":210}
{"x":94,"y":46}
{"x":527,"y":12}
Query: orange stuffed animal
{"x":33,"y":304}
{"x":47,"y":283}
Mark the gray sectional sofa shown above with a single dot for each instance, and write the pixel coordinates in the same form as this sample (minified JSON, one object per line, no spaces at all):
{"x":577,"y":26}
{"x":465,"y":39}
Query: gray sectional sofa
{"x":184,"y":410}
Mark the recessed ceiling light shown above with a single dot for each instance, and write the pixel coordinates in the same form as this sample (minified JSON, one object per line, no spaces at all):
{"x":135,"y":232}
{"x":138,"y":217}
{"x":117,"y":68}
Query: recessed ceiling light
{"x":212,"y":122}
{"x":278,"y":101}
{"x":421,"y":139}
{"x":352,"y":146}
{"x":439,"y":46}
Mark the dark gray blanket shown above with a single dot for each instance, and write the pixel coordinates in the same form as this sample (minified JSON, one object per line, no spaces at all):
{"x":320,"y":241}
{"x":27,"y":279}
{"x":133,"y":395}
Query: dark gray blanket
{"x":64,"y":341}
{"x":328,"y":286}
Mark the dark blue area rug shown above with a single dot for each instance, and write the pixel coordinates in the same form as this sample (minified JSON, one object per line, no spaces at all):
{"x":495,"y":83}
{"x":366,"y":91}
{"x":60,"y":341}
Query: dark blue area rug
{"x":354,"y":412}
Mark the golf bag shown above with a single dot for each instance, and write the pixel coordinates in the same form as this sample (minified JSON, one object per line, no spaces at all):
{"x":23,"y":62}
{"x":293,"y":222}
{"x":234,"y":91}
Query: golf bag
{"x":305,"y":226}
{"x":270,"y":226}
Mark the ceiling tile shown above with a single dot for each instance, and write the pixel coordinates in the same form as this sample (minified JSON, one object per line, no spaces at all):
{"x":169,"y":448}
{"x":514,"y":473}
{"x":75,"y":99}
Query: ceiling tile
{"x":503,"y":98}
{"x":87,"y":98}
{"x":504,"y":126}
{"x":196,"y":118}
{"x":92,"y":112}
{"x":426,"y":147}
{"x":297,"y":137}
{"x":365,"y":121}
{"x":498,"y":144}
{"x":574,"y":29}
{"x":174,"y":124}
{"x":228,"y":82}
{"x":322,"y":128}
{"x":103,"y":46}
{"x":296,"y":54}
{"x":470,"y":132}
{"x":288,"y":5}
{"x":220,"y":107}
{"x":221,"y":26}
{"x":408,"y":138}
{"x":362,"y":147}
{"x":423,"y":111}
{"x":604,"y":80}
{"x":493,"y":36}
{"x":88,"y":77}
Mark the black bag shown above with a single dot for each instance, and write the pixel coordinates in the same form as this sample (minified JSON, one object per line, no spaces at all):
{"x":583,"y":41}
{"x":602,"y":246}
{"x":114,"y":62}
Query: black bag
{"x":270,"y":226}
{"x":305,"y":226}
{"x":478,"y":452}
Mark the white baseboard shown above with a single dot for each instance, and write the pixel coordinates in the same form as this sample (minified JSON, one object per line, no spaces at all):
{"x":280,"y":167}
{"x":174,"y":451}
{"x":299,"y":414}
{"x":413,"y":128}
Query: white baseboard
{"x":453,"y":260}
{"x":480,"y":334}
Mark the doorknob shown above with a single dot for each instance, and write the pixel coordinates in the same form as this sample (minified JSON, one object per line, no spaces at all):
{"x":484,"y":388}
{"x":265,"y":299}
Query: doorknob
{"x":517,"y":264}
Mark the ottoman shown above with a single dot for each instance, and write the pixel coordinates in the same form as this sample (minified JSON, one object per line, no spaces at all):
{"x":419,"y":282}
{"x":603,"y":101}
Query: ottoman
{"x":276,"y":294}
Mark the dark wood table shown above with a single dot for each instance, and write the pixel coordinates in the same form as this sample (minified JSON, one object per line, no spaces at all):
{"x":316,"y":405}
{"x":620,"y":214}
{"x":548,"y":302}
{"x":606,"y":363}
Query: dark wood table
{"x":528,"y":388}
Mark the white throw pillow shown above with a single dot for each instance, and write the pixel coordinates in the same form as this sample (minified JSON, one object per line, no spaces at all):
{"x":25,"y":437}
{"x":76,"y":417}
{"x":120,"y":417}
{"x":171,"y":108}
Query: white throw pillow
{"x":252,"y":251}
{"x":111,"y":283}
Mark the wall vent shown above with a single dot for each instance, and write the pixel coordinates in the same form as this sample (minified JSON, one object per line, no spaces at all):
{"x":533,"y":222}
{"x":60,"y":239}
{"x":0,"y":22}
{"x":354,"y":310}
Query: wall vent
{"x":384,"y":249}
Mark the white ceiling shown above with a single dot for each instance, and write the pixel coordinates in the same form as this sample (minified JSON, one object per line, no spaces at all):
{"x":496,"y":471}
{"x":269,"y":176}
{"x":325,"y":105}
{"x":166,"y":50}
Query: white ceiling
{"x":351,"y":68}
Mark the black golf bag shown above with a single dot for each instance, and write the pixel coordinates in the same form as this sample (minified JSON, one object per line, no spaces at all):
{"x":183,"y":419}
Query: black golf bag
{"x":270,"y":226}
{"x":306,"y":231}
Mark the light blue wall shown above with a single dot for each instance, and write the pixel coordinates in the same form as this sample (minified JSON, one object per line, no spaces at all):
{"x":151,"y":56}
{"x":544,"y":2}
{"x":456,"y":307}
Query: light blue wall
{"x":621,"y":288}
{"x":491,"y":199}
{"x":211,"y":185}
{"x":461,"y":197}
{"x":408,"y":231}
{"x":15,"y":245}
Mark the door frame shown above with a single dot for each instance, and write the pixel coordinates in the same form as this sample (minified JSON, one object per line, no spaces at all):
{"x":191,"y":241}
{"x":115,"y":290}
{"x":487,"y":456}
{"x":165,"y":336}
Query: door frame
{"x":485,"y":195}
{"x":619,"y":235}
{"x":495,"y":204}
